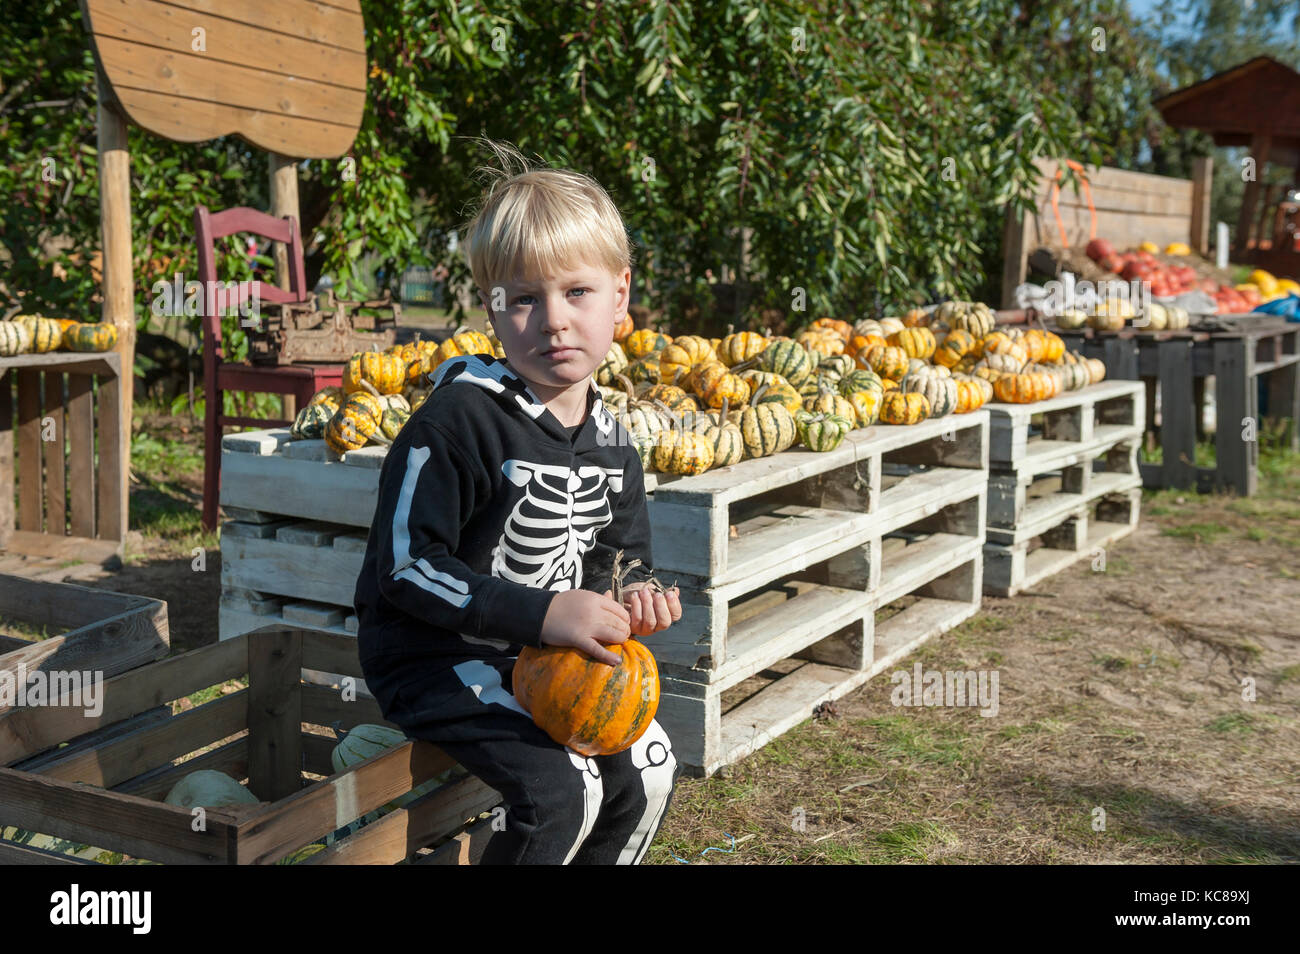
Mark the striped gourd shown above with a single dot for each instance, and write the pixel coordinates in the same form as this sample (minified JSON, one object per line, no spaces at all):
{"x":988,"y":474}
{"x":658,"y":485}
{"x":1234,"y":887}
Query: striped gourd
{"x":823,"y":432}
{"x":821,"y":344}
{"x":683,"y":355}
{"x":723,"y":436}
{"x":836,"y":367}
{"x":461,"y":343}
{"x":644,"y":370}
{"x":868,"y":326}
{"x":683,"y":452}
{"x":354,"y":423}
{"x":310,"y":423}
{"x":828,"y":402}
{"x":332,"y":395}
{"x":940,"y":390}
{"x":715,"y":384}
{"x":860,"y":379}
{"x":767,"y":429}
{"x":973,"y":316}
{"x":385,"y":372}
{"x":46,"y":333}
{"x":741,"y":346}
{"x":915,"y":342}
{"x":645,"y":341}
{"x":90,"y":336}
{"x":615,"y":363}
{"x":899,"y":407}
{"x":891,"y":326}
{"x":866,"y":406}
{"x":15,"y":338}
{"x":772,"y":389}
{"x":956,"y":345}
{"x":887,"y":361}
{"x":999,"y":342}
{"x":787,"y":359}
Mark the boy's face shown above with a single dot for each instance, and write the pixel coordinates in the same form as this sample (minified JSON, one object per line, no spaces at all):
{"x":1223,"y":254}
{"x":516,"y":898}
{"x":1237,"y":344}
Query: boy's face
{"x":555,"y":331}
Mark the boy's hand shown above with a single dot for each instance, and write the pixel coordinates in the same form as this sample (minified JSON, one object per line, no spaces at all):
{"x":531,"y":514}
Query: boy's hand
{"x":583,"y":620}
{"x":650,"y":611}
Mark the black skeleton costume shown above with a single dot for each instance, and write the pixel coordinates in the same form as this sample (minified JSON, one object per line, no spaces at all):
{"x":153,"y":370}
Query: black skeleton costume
{"x":488,"y":507}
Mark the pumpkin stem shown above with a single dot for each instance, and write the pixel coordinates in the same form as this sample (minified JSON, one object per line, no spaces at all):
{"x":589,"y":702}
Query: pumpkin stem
{"x":627,"y":386}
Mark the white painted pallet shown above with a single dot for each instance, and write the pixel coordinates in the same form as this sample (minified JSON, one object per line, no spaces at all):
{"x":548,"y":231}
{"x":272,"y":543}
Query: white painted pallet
{"x":1109,"y":410}
{"x":1081,"y":531}
{"x":1024,"y":503}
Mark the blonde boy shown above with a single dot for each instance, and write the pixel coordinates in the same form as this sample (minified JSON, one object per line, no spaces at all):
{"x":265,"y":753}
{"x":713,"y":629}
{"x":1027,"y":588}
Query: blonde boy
{"x":506,"y":494}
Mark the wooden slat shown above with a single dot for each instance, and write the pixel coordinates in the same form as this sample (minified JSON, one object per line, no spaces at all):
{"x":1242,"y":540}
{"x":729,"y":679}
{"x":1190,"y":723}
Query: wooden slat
{"x":303,"y":817}
{"x":30,"y":487}
{"x":25,"y":731}
{"x":114,"y":822}
{"x":81,"y":549}
{"x":319,"y":574}
{"x":324,"y":706}
{"x":6,"y":458}
{"x":56,"y":509}
{"x":465,"y":849}
{"x":154,"y":747}
{"x":1177,"y":410}
{"x":1235,"y":400}
{"x":66,"y":362}
{"x":63,"y":606}
{"x":167,"y":26}
{"x":231,"y":758}
{"x":275,"y":713}
{"x":335,"y":24}
{"x":328,"y":652}
{"x":81,"y":456}
{"x":11,"y":854}
{"x":110,"y":473}
{"x":94,"y":739}
{"x":400,"y":833}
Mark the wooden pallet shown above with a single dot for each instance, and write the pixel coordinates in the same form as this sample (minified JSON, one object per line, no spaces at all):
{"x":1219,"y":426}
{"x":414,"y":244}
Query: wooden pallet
{"x":1078,"y":532}
{"x":1021,"y":504}
{"x":107,"y":791}
{"x":1033,"y":438}
{"x":806,"y":620}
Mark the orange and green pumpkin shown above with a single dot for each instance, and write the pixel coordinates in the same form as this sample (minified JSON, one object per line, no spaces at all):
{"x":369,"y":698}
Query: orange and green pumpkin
{"x":824,"y":343}
{"x":644,"y":370}
{"x":623,"y":327}
{"x":614,"y":363}
{"x":463,"y":343}
{"x":887,"y":361}
{"x":866,"y":406}
{"x":683,"y":452}
{"x":385,"y":372}
{"x":354,"y":423}
{"x":768,"y":388}
{"x":90,"y":336}
{"x":586,"y":705}
{"x":715,"y":383}
{"x":1023,"y":388}
{"x":915,"y":342}
{"x":837,"y":325}
{"x":829,"y":402}
{"x":740,"y":347}
{"x":312,"y":420}
{"x":900,"y":407}
{"x":46,"y":333}
{"x":999,"y":342}
{"x":645,"y":341}
{"x":956,"y":345}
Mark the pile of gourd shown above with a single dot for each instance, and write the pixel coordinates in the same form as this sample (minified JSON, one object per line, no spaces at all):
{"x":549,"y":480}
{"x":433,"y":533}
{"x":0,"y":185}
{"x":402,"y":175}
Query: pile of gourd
{"x":36,"y":334}
{"x":380,"y":390}
{"x":691,"y":403}
{"x":1112,"y":315}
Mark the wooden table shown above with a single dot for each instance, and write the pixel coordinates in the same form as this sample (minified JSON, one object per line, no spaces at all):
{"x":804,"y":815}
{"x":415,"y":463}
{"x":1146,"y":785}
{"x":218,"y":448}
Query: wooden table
{"x":1178,"y":362}
{"x":71,"y":486}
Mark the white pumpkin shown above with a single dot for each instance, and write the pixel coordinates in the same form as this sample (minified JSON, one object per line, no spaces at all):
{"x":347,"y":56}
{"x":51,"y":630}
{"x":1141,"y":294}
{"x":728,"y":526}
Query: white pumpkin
{"x":210,"y":789}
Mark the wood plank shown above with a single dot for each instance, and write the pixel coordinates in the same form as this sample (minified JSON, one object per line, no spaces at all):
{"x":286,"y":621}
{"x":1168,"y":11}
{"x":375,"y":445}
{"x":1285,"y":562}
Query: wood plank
{"x":81,"y":456}
{"x":903,"y":633}
{"x":337,"y":494}
{"x":154,"y":747}
{"x":65,"y":362}
{"x":12,"y":854}
{"x":275,"y":713}
{"x":6,"y":458}
{"x":56,"y":505}
{"x":91,"y":740}
{"x":82,"y":549}
{"x":1017,"y":236}
{"x":921,"y":562}
{"x":1177,"y":427}
{"x":324,"y":706}
{"x":326,"y":806}
{"x":112,"y":821}
{"x":320,"y":574}
{"x":1235,"y":403}
{"x":30,"y":486}
{"x":26,"y":731}
{"x":330,"y":653}
{"x":110,"y":474}
{"x":465,"y":849}
{"x":168,"y":27}
{"x":803,"y":536}
{"x":400,"y":833}
{"x":67,"y":607}
{"x":334,"y":24}
{"x":924,"y":494}
{"x":231,"y":758}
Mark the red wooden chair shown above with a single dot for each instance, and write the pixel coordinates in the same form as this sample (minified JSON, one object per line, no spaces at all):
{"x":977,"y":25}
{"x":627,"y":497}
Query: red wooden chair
{"x":300,"y":380}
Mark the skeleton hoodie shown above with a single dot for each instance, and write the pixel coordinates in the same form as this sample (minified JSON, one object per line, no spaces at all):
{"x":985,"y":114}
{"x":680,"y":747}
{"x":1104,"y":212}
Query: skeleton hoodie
{"x":487,"y":508}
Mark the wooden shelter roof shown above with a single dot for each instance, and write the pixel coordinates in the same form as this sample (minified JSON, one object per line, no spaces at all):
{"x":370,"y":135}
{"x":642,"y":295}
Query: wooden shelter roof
{"x":1258,"y":96}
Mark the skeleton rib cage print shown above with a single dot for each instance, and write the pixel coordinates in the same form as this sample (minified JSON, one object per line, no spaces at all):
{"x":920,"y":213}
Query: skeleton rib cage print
{"x":554,"y":523}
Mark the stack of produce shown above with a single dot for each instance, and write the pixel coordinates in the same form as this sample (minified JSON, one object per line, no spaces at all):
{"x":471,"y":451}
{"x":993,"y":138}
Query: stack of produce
{"x":36,"y":334}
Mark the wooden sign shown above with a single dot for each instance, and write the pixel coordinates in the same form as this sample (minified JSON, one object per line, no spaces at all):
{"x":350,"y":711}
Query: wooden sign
{"x":288,"y":76}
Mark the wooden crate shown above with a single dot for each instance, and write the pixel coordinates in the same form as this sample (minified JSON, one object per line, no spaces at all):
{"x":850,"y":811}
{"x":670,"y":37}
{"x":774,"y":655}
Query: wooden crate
{"x":911,"y":530}
{"x":88,"y":629}
{"x":270,"y":735}
{"x":65,"y":410}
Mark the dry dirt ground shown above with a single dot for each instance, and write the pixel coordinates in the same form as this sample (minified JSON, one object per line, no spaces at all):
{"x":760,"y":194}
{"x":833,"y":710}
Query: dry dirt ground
{"x":1122,"y":700}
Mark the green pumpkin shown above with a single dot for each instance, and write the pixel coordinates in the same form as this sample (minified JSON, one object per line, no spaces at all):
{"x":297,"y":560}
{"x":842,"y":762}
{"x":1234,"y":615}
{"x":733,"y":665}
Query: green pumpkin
{"x":836,"y":367}
{"x":393,"y":421}
{"x":860,"y":379}
{"x":788,"y":359}
{"x":311,"y":421}
{"x":88,"y":336}
{"x":644,"y":370}
{"x":822,"y":432}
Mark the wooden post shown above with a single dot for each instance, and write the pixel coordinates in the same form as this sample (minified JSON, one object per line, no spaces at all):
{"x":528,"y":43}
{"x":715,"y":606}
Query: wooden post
{"x":284,"y":201}
{"x":1016,"y":239}
{"x":115,"y":230}
{"x":1202,"y":185}
{"x":1260,"y":144}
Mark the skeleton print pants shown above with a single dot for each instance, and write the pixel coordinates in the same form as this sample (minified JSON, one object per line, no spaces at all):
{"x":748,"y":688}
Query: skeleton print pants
{"x":561,"y":807}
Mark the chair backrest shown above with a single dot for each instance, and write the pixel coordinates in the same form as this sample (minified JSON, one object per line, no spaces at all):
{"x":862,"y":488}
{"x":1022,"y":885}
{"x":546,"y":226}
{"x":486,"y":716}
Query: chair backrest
{"x":210,"y":226}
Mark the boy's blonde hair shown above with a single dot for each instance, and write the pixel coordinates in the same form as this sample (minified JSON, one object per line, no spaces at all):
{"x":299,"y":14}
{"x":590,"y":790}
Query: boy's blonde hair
{"x":539,"y":222}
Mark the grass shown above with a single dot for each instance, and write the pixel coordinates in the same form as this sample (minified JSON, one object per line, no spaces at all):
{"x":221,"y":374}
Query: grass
{"x":1199,"y":532}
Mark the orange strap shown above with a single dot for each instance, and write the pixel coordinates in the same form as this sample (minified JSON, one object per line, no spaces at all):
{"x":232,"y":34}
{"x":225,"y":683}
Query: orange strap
{"x":1087,"y":192}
